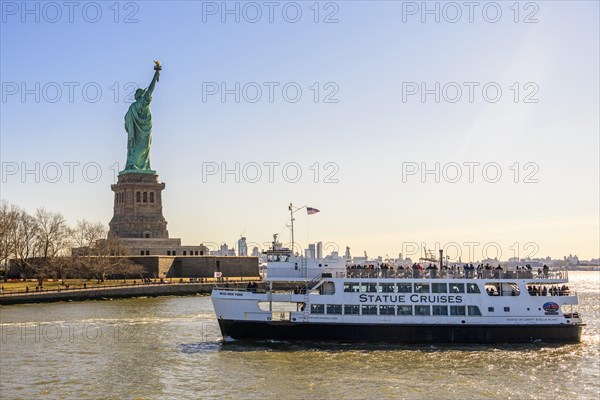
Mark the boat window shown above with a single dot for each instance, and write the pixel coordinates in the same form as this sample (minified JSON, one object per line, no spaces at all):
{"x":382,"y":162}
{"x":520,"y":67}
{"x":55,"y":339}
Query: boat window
{"x":387,"y":310}
{"x":490,"y":309}
{"x":351,"y":310}
{"x":387,"y":287}
{"x":439,"y":288}
{"x":351,"y":287}
{"x":457,"y":288}
{"x":279,"y":306}
{"x":474,"y":311}
{"x":512,"y":289}
{"x":404,"y":288}
{"x":421,"y":287}
{"x":334,"y":308}
{"x":457,"y":310}
{"x":404,"y":310}
{"x":317,"y":308}
{"x":473,"y":288}
{"x":492,"y":289}
{"x":422,"y":310}
{"x":369,"y":310}
{"x":440,"y":310}
{"x":507,"y":309}
{"x":502,"y":289}
{"x":368,"y":287}
{"x":328,"y":288}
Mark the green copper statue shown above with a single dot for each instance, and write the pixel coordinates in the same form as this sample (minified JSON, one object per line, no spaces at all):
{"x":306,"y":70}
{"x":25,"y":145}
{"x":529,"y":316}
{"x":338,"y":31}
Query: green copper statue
{"x":138,"y":124}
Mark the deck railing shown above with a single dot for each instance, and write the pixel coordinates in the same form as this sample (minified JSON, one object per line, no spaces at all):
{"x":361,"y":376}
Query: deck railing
{"x":457,"y":273}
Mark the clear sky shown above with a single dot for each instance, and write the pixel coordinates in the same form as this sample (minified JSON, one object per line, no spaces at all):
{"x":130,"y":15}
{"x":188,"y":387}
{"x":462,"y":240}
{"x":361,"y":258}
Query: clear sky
{"x":362,"y":68}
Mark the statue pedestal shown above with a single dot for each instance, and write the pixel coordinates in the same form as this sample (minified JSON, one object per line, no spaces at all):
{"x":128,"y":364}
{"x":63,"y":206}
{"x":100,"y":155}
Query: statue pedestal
{"x":138,"y":206}
{"x":138,"y":171}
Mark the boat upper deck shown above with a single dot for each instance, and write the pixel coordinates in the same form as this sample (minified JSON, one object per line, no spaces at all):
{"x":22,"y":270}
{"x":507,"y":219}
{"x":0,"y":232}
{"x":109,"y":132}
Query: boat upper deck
{"x":455,"y":272}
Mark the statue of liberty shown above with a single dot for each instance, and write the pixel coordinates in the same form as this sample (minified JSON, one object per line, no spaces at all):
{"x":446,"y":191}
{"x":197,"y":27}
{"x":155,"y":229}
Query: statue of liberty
{"x":138,"y":124}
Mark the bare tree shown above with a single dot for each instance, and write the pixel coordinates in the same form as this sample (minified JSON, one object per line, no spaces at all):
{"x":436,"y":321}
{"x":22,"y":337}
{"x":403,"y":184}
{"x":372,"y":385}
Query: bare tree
{"x":62,"y":266}
{"x":107,"y":258}
{"x":53,"y":242}
{"x":8,"y":226}
{"x":25,"y":240}
{"x":53,"y":235}
{"x":99,"y":257}
{"x":132,"y":270}
{"x":86,"y":234}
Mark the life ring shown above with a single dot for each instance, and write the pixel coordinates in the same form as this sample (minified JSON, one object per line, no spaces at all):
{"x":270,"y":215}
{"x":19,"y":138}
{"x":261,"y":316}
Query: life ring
{"x":268,"y":318}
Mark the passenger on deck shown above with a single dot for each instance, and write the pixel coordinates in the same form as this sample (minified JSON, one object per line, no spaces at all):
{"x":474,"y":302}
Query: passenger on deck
{"x":498,"y":272}
{"x":429,"y":268}
{"x":546,"y":269}
{"x":471,"y":271}
{"x":415,"y":269}
{"x":544,"y":291}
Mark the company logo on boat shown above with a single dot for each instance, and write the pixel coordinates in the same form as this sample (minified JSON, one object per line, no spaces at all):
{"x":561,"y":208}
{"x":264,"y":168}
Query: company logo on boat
{"x":551,"y":308}
{"x":414,"y":298}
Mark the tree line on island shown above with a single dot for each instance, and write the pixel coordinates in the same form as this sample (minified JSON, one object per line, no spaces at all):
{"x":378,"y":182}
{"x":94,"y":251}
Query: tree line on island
{"x":43,"y":245}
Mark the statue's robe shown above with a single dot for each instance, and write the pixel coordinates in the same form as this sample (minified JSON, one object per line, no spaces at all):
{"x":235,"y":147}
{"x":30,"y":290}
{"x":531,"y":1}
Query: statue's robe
{"x":138,"y":124}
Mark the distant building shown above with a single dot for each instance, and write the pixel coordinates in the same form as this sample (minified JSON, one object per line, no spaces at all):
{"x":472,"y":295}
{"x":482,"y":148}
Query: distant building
{"x":572,"y":260}
{"x":255,"y":252}
{"x":319,"y":250}
{"x":242,"y":247}
{"x":311,"y":251}
{"x":224,"y":251}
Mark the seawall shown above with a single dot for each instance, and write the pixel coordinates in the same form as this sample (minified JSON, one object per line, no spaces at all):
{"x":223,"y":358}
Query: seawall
{"x":141,"y":290}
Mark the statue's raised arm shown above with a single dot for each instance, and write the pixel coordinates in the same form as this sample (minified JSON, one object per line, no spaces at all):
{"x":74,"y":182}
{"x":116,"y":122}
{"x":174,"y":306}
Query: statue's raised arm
{"x":156,"y":78}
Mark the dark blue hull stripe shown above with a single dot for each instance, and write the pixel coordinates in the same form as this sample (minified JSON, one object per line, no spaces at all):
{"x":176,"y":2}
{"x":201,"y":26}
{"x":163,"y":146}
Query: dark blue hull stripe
{"x":399,"y":333}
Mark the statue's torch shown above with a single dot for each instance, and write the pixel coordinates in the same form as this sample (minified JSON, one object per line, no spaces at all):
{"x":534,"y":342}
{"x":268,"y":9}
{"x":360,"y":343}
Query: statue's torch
{"x":157,"y":67}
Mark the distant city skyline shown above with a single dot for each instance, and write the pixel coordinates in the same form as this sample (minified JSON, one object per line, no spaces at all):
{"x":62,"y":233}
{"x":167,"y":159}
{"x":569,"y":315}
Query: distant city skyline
{"x":415,"y":130}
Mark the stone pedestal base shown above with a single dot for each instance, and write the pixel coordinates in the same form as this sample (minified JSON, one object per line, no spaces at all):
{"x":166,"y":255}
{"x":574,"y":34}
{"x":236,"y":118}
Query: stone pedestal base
{"x":138,"y":207}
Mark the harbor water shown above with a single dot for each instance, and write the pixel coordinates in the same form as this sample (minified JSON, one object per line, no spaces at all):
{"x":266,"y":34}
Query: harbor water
{"x":171,"y":348}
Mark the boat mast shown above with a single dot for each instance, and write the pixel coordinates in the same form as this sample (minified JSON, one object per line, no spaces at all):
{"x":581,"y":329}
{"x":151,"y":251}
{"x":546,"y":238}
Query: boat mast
{"x":292,"y":218}
{"x":292,"y":211}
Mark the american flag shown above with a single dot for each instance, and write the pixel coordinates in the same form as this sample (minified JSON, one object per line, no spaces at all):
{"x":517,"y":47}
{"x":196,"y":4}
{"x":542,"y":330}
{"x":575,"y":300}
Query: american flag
{"x":311,"y":211}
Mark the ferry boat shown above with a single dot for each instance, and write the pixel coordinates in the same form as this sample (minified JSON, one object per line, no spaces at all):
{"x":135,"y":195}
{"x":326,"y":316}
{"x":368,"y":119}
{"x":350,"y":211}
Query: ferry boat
{"x":330,"y":300}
